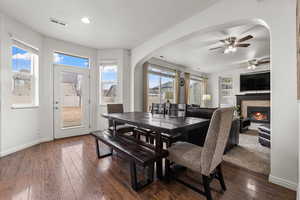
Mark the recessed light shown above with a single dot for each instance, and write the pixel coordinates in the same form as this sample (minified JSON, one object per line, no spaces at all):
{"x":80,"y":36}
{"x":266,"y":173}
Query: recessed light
{"x":85,"y":20}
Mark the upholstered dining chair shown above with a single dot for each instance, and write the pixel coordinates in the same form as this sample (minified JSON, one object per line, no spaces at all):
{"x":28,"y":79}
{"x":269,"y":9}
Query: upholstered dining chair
{"x":120,"y":127}
{"x":205,"y":160}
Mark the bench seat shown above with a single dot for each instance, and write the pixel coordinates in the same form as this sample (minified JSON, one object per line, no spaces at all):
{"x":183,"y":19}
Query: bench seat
{"x":136,"y":153}
{"x":142,"y":155}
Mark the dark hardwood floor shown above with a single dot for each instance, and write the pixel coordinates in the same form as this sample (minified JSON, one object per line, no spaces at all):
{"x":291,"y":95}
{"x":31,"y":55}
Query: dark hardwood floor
{"x":69,"y":169}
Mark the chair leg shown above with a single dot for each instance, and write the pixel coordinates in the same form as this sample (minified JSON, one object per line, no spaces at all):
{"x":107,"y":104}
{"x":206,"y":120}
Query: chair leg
{"x":151,"y":140}
{"x":150,"y":173}
{"x":221,"y":178}
{"x":167,"y":170}
{"x":133,"y":175}
{"x":97,"y":148}
{"x":206,"y":187}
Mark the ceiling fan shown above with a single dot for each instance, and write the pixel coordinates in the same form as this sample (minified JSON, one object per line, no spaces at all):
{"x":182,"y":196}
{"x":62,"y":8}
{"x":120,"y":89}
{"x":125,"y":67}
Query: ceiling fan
{"x":253,"y":64}
{"x":231,"y":44}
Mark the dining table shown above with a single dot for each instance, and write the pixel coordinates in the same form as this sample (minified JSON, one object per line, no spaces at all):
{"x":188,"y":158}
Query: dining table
{"x":158,"y":124}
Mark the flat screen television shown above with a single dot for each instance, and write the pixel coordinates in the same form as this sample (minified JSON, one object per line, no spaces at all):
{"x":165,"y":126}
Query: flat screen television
{"x":255,"y":82}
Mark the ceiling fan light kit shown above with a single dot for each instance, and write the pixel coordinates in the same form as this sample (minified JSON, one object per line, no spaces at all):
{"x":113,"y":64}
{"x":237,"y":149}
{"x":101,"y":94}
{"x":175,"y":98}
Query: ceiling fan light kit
{"x":230,"y":49}
{"x":252,"y":67}
{"x":253,"y":64}
{"x":231,"y":44}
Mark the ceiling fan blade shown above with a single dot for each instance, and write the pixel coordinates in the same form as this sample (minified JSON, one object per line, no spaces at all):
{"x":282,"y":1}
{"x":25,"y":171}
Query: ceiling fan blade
{"x":263,"y":62}
{"x":248,"y":37}
{"x":215,"y":48}
{"x":242,"y":45}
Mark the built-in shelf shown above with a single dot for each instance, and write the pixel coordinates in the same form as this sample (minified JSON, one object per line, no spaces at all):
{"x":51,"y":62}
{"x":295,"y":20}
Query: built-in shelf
{"x":225,"y":91}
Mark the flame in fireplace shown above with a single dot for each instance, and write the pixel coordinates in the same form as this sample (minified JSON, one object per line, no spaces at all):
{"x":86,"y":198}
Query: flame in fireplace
{"x":259,"y":116}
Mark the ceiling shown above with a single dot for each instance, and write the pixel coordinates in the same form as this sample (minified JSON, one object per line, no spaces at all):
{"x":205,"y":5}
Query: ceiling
{"x":194,"y":52}
{"x":114,"y":23}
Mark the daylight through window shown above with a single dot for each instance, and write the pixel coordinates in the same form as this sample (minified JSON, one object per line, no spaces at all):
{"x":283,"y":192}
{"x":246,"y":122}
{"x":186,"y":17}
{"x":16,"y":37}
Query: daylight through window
{"x":24,"y":77}
{"x":108,"y":83}
{"x":161,"y":85}
{"x":68,"y":60}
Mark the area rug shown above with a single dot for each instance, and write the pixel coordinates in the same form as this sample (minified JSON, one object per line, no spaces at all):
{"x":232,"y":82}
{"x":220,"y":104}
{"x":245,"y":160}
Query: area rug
{"x":250,"y":154}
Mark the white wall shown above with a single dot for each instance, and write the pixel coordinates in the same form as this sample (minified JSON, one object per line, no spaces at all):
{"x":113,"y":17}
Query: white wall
{"x":280,"y":18}
{"x":19,"y":127}
{"x":122,"y":57}
{"x":213,"y":83}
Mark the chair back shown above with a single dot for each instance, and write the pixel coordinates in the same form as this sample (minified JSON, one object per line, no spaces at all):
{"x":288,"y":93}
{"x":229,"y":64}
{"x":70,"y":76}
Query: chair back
{"x":158,"y":108}
{"x":114,"y":108}
{"x":178,"y":110}
{"x":216,"y":140}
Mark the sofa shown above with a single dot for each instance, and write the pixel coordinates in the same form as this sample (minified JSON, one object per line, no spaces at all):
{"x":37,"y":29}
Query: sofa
{"x":198,"y":136}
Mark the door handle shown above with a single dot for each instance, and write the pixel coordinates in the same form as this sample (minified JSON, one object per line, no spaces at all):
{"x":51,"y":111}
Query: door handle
{"x":56,"y":108}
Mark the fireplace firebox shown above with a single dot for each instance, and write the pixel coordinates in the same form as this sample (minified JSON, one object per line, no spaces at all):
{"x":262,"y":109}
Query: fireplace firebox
{"x":258,"y":114}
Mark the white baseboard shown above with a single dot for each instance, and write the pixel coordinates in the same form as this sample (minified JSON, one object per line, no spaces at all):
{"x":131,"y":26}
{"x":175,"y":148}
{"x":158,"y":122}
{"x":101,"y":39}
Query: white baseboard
{"x":46,"y":140}
{"x":284,"y":183}
{"x":24,"y":146}
{"x":18,"y":148}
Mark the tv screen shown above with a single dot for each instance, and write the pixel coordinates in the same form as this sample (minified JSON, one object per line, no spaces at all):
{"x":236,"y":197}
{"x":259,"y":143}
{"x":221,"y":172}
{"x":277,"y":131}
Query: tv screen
{"x":255,"y":82}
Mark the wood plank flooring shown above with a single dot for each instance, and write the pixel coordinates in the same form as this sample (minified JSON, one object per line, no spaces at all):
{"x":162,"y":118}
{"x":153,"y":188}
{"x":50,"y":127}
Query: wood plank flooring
{"x":69,"y":169}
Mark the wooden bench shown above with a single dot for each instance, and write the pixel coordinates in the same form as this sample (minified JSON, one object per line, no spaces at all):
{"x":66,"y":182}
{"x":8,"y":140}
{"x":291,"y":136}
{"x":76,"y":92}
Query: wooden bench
{"x":137,"y":155}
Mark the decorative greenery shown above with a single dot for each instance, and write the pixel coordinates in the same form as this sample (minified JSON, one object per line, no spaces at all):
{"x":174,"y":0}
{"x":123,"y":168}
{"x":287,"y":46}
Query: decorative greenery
{"x":237,"y":110}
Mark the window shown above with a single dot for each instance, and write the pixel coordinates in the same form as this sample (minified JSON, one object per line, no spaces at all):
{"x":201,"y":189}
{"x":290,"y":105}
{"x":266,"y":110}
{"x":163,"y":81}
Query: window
{"x":24,"y":76}
{"x":64,"y":59}
{"x":161,"y":85}
{"x":196,"y":91}
{"x":108,"y":83}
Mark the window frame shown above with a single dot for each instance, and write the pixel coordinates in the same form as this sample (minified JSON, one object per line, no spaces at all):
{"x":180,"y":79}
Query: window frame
{"x":162,"y":72}
{"x":34,"y":74}
{"x":117,"y":82}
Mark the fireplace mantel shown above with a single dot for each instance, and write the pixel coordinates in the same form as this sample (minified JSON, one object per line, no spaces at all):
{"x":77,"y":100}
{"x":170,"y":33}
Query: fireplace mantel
{"x":251,"y":97}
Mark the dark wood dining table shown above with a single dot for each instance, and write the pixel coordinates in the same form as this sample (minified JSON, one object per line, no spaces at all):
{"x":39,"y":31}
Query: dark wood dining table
{"x":158,"y":123}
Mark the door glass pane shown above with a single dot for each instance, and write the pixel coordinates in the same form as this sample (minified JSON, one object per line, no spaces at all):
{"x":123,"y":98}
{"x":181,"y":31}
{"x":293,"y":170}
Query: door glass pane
{"x":153,"y":89}
{"x":71,"y":105}
{"x":167,"y":90}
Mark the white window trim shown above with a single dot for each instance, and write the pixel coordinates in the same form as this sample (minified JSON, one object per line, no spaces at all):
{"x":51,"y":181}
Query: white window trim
{"x":35,"y":74}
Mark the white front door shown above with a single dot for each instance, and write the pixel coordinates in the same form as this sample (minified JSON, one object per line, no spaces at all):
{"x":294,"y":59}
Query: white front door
{"x":71,"y":101}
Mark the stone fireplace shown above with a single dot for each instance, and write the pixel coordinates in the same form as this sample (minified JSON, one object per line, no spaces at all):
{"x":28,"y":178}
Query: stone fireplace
{"x":255,"y":107}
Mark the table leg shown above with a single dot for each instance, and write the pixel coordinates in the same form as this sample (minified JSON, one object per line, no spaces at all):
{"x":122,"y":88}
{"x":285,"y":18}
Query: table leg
{"x":158,"y":149}
{"x":114,"y":128}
